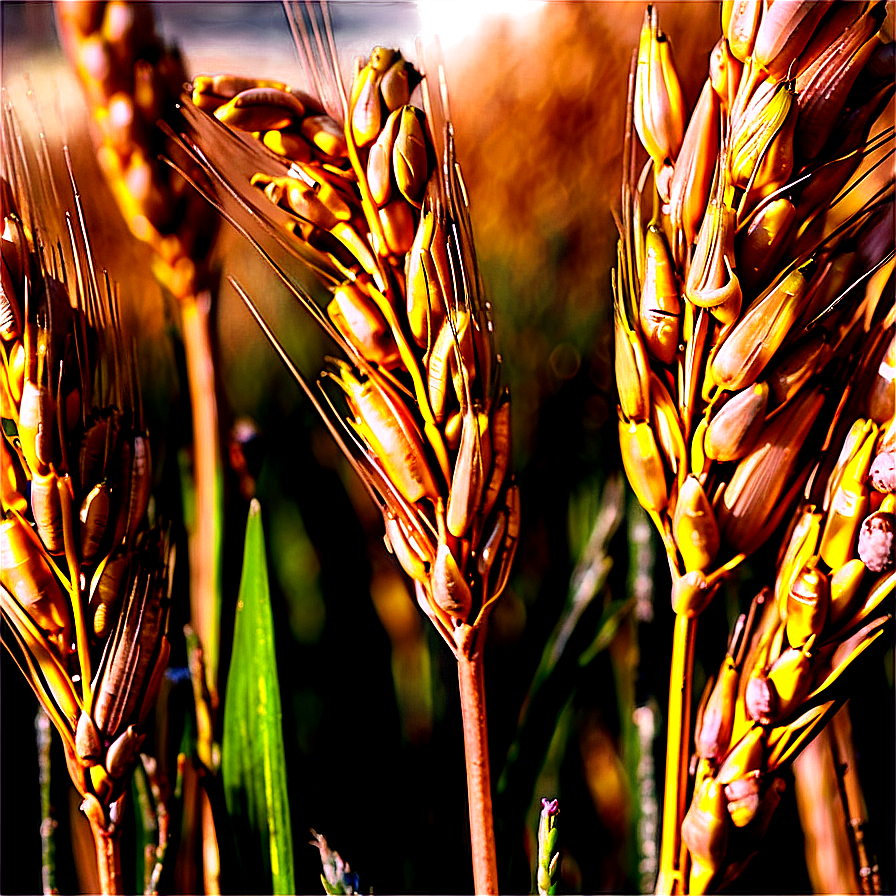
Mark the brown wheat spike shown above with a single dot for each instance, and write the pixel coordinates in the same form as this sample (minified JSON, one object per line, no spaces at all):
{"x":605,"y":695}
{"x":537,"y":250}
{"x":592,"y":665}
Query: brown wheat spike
{"x":84,"y":581}
{"x":742,"y":314}
{"x":364,"y":187}
{"x":132,"y":80}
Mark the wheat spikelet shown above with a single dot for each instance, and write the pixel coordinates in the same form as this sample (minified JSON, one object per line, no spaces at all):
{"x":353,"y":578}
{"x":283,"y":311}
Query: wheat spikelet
{"x":378,"y":208}
{"x":743,"y":322}
{"x":84,"y":582}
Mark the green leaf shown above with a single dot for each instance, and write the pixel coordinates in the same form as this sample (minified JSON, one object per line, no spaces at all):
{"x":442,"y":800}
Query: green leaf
{"x":253,"y":767}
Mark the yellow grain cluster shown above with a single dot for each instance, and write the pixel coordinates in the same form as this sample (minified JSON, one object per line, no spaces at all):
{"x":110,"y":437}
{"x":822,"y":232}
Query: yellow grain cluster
{"x":84,"y":583}
{"x":735,"y":332}
{"x":373,"y":199}
{"x":753,"y":328}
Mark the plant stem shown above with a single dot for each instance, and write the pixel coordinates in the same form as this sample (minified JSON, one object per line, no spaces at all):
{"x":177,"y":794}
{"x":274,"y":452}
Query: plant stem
{"x":204,"y":547}
{"x":108,"y":854}
{"x":44,"y":733}
{"x":482,"y":833}
{"x":672,"y":875}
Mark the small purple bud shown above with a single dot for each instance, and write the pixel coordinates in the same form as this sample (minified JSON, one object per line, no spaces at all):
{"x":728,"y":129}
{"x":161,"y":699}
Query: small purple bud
{"x":883,"y":472}
{"x":876,"y":541}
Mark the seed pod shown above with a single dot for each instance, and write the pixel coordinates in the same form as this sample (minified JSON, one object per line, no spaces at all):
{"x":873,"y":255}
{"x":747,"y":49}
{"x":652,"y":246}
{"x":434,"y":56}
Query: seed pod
{"x":875,"y":546}
{"x":366,"y":106}
{"x":397,"y":220}
{"x":749,"y":499}
{"x":140,"y":486}
{"x":845,"y":584}
{"x":387,"y":426}
{"x":37,"y":426}
{"x":714,"y":734}
{"x":802,"y":546}
{"x":449,"y":587}
{"x":759,"y":698}
{"x":409,"y":156}
{"x":743,"y":24}
{"x":121,"y":752}
{"x":667,"y":426}
{"x":395,"y":86}
{"x":807,"y":605}
{"x":725,"y":72}
{"x":325,"y":134}
{"x":511,"y":539}
{"x":711,"y":279}
{"x":439,"y":362}
{"x":501,"y":446}
{"x":632,"y":371}
{"x":749,"y":346}
{"x":784,"y":31}
{"x":428,"y":280}
{"x":94,"y":516}
{"x":87,"y":741}
{"x":760,"y":156}
{"x":848,"y":506}
{"x":643,"y":465}
{"x":212,"y":91}
{"x":491,"y":546}
{"x":660,"y":306}
{"x":470,"y":469}
{"x":692,"y":177}
{"x":762,"y":245}
{"x":744,"y":757}
{"x":26,"y":575}
{"x":379,"y":161}
{"x":404,"y":546}
{"x":106,"y":593}
{"x":704,"y":831}
{"x":362,"y":324}
{"x":852,"y":443}
{"x":261,"y":109}
{"x":47,"y":511}
{"x":694,"y":526}
{"x":790,"y":679}
{"x":659,"y":104}
{"x":733,"y":431}
{"x":743,"y":798}
{"x":289,"y":145}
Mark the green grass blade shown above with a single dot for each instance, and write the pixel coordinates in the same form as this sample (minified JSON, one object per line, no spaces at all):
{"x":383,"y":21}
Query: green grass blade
{"x":252,"y":762}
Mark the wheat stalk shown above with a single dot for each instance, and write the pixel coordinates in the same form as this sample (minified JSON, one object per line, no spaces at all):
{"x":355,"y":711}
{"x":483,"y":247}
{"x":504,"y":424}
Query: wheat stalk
{"x":737,"y":302}
{"x":84,"y":582}
{"x":365,"y":188}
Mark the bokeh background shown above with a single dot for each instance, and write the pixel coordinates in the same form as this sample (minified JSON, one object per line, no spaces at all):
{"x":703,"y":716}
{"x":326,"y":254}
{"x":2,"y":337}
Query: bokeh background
{"x":371,"y":713}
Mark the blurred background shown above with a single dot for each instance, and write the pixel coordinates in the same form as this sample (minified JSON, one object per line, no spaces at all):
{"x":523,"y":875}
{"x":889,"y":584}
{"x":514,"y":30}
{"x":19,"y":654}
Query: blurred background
{"x":371,"y":712}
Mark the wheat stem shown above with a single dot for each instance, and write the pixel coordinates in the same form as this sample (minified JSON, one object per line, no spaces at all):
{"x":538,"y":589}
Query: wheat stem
{"x":470,"y":675}
{"x":204,"y":606}
{"x":108,"y":854}
{"x":671,"y":876}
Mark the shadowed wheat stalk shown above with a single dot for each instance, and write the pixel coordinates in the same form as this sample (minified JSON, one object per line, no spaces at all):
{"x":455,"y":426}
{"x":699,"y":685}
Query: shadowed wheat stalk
{"x":742,"y":318}
{"x":365,"y":189}
{"x":84,"y":581}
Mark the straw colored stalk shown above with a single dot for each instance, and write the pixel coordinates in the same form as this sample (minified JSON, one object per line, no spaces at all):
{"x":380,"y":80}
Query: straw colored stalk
{"x":735,"y":317}
{"x":83,"y":582}
{"x":364,"y":187}
{"x":131,"y":79}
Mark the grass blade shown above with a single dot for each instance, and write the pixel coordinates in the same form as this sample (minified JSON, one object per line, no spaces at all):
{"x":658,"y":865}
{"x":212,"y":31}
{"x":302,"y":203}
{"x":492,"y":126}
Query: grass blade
{"x":252,"y":763}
